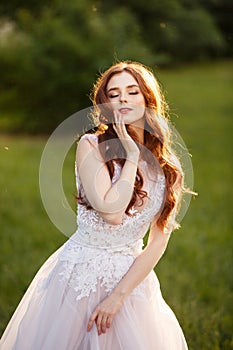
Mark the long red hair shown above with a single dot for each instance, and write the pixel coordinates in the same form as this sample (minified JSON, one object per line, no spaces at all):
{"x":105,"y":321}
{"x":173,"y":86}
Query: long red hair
{"x":157,"y":135}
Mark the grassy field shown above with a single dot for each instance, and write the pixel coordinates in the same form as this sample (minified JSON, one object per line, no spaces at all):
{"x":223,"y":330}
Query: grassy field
{"x":195,"y":272}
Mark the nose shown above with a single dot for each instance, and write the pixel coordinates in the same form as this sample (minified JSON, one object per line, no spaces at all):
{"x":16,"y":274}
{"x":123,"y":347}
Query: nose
{"x":123,"y":98}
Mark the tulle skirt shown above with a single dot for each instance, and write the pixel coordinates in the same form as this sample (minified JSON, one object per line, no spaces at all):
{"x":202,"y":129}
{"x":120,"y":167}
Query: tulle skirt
{"x":49,"y":317}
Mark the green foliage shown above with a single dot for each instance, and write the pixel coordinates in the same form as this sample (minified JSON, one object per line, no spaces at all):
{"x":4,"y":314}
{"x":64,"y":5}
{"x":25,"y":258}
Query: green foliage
{"x":196,"y":271}
{"x":51,"y":51}
{"x":49,"y":62}
{"x":221,"y":12}
{"x":176,"y":31}
{"x":198,"y":25}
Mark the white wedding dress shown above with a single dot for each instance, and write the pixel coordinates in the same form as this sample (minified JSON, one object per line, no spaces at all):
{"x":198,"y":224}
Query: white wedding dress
{"x":54,"y":312}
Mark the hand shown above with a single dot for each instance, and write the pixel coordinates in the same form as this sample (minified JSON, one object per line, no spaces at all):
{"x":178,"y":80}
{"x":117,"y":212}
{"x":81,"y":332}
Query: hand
{"x":104,"y":313}
{"x":128,"y":143}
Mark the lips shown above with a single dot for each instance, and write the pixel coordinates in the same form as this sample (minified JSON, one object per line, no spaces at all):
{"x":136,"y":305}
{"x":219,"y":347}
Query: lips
{"x":125,"y":110}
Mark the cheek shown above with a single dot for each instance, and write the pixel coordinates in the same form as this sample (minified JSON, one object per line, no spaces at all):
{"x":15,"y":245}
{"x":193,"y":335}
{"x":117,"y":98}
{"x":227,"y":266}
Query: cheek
{"x":113,"y":105}
{"x":140,"y":110}
{"x":141,"y":101}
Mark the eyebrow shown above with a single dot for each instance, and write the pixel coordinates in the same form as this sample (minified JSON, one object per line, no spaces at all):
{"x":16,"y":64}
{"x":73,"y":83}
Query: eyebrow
{"x":128,"y":87}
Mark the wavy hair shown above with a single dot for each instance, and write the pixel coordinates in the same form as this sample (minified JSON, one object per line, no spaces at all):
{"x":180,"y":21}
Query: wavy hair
{"x":157,"y":136}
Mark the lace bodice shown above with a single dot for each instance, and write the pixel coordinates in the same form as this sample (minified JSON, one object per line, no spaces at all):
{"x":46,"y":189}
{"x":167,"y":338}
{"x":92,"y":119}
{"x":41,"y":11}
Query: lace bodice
{"x":99,"y":251}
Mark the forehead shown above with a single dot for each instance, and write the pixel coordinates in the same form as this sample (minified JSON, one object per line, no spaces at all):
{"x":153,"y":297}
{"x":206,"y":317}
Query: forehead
{"x":121,"y":80}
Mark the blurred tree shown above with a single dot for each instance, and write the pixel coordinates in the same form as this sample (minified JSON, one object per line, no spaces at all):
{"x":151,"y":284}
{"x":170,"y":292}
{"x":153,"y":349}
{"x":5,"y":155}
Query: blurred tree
{"x":50,"y":62}
{"x":51,"y":50}
{"x":221,"y":11}
{"x":176,"y":30}
{"x":10,"y":9}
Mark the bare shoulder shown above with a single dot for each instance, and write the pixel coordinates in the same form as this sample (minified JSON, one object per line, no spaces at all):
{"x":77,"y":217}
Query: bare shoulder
{"x":87,"y":145}
{"x":91,"y":138}
{"x":88,"y":139}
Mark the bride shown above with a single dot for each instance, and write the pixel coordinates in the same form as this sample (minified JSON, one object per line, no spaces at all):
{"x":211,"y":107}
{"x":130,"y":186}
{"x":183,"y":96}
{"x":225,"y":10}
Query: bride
{"x":99,"y":291}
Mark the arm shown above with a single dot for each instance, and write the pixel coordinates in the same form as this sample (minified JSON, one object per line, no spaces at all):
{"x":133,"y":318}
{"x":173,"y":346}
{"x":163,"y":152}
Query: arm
{"x":104,"y":313}
{"x":145,"y":262}
{"x":157,"y":242}
{"x":110,"y":200}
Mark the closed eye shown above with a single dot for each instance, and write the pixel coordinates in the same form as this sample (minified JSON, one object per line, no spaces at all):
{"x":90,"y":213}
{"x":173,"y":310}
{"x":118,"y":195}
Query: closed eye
{"x":130,"y":93}
{"x":133,"y":92}
{"x":113,"y":95}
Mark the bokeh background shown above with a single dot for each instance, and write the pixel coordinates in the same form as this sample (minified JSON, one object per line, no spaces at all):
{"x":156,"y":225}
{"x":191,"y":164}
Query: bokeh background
{"x":51,"y":52}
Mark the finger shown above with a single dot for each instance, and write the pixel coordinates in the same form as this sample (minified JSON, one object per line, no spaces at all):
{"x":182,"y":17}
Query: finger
{"x":118,"y":130}
{"x":109,"y":321}
{"x":116,"y":117}
{"x":115,"y":123}
{"x":120,"y":127}
{"x":98,"y":323}
{"x":123,"y":128}
{"x":118,"y":120}
{"x":104,"y":323}
{"x":91,"y":321}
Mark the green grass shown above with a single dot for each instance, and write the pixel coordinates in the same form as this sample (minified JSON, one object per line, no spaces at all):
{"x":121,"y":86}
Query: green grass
{"x":195,"y":272}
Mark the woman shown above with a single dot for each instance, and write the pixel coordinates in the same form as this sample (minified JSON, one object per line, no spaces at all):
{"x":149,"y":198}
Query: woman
{"x":99,"y":290}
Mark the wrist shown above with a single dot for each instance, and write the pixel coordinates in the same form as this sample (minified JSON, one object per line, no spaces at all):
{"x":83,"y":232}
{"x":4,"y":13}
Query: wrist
{"x":133,"y":156}
{"x":120,"y":294}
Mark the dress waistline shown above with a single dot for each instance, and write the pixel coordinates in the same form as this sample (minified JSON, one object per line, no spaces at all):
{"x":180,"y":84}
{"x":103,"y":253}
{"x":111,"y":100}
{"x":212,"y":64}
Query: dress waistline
{"x":132,"y":247}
